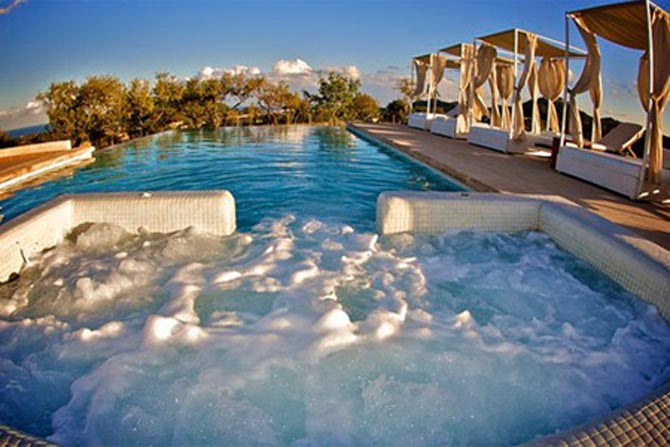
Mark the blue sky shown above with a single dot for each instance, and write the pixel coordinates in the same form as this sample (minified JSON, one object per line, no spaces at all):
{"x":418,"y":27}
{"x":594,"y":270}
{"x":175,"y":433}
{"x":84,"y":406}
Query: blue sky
{"x":54,"y":40}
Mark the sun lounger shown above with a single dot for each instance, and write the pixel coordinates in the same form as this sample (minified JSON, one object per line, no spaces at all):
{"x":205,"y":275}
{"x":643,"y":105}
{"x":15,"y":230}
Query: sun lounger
{"x":620,"y":139}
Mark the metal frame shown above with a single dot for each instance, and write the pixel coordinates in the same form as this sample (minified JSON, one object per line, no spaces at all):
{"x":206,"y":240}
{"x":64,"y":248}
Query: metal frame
{"x":565,"y":88}
{"x":460,"y":57}
{"x":650,"y":48}
{"x":647,"y":140}
{"x":411,"y":80}
{"x":472,"y":89}
{"x":517,"y":90}
{"x":568,"y":50}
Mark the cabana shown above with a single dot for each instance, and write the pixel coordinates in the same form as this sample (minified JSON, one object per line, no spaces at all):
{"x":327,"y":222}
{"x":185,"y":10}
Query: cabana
{"x":454,"y":124}
{"x":506,"y":131}
{"x":639,"y":25}
{"x":431,"y":65}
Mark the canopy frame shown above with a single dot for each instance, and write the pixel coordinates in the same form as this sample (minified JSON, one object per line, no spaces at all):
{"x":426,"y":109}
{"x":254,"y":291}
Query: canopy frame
{"x":423,"y":58}
{"x":453,"y":53}
{"x":648,"y":5}
{"x":558,"y":50}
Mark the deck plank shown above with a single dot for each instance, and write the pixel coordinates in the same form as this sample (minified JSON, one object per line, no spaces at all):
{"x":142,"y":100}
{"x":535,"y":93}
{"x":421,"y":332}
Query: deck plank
{"x":27,"y":167}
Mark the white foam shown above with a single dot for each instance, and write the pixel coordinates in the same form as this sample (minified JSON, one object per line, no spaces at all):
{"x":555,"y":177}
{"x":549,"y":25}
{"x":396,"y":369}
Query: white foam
{"x":309,"y":333}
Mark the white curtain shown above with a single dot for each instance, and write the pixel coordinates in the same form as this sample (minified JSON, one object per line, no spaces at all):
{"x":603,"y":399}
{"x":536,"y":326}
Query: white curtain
{"x":421,"y":69}
{"x":485,"y":61}
{"x":439,"y":63}
{"x":496,"y":119}
{"x":660,"y":24}
{"x":518,"y":128}
{"x":590,"y":80}
{"x":533,"y":91}
{"x":465,"y":78}
{"x":505,"y":84}
{"x":551,"y":80}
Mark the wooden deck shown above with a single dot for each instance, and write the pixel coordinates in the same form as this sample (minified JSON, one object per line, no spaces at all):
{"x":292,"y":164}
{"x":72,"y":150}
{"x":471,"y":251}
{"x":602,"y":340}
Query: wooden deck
{"x":16,"y":170}
{"x":486,"y":170}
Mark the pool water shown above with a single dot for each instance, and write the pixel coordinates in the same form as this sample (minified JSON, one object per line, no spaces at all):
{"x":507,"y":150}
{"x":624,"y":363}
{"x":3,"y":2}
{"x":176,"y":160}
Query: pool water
{"x":305,"y":328}
{"x":311,"y":171}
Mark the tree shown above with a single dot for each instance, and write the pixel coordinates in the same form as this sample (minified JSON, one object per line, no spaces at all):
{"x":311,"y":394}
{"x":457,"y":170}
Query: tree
{"x":366,"y":107}
{"x":192,"y":108}
{"x":140,"y":108}
{"x":61,"y":101}
{"x":212,"y":94}
{"x":168,"y":93}
{"x":102,"y":109}
{"x":303,"y":109}
{"x":336,"y":97}
{"x":406,"y":88}
{"x":292,"y":105}
{"x":6,"y":140}
{"x":274,"y":98}
{"x":395,"y":111}
{"x":241,"y":86}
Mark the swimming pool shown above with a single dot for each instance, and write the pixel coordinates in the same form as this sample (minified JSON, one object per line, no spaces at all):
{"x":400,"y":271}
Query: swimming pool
{"x":305,"y":327}
{"x":313,"y":171}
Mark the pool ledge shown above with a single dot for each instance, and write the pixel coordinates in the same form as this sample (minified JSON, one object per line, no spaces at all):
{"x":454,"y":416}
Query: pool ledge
{"x":638,"y":265}
{"x":47,"y":225}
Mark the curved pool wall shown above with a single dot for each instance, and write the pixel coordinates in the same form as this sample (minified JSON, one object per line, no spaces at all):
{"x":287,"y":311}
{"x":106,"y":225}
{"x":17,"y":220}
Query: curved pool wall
{"x":162,"y":212}
{"x":642,"y":268}
{"x":590,"y":237}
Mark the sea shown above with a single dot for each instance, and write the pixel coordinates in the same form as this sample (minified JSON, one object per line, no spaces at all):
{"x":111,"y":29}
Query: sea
{"x":21,"y":131}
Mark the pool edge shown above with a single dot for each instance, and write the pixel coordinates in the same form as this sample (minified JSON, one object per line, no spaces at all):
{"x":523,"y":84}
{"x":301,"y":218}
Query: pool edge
{"x":601,"y":244}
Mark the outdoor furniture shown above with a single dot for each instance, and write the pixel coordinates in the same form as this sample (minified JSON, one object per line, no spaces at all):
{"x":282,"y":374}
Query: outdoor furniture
{"x":420,"y":120}
{"x":620,"y":139}
{"x":506,"y":131}
{"x":637,"y":25}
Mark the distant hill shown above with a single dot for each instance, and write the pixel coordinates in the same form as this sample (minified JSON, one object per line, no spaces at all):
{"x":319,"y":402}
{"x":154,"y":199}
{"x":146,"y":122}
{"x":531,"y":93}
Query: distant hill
{"x":442,"y":106}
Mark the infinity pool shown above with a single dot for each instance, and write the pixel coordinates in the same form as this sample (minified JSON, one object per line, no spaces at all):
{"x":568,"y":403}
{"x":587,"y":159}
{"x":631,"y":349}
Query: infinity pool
{"x":312,"y":171}
{"x":305,"y":328}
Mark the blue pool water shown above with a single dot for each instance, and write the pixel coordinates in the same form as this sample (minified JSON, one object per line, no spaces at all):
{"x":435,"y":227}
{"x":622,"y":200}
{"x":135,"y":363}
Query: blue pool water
{"x":311,"y":171}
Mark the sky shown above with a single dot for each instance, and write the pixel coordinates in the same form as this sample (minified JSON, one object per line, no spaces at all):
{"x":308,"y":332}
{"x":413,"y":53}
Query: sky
{"x":57,"y":40}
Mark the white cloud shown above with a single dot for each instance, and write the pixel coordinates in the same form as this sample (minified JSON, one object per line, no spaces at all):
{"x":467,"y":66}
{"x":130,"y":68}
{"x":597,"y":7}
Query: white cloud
{"x":208,"y":72}
{"x":12,"y":4}
{"x":34,"y":107}
{"x":29,"y":115}
{"x":292,"y":67}
{"x":301,"y":75}
{"x":349,"y":70}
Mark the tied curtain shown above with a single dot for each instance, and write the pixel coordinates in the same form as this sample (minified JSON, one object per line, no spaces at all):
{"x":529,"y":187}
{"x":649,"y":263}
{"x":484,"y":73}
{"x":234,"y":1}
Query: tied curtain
{"x":505,"y":85}
{"x":533,"y":91}
{"x":660,"y":25}
{"x":591,"y":80}
{"x":496,"y":119}
{"x":485,"y":61}
{"x":518,"y":129}
{"x":464,"y":81}
{"x":551,"y":77}
{"x":421,"y":68}
{"x":438,"y":64}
